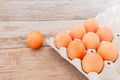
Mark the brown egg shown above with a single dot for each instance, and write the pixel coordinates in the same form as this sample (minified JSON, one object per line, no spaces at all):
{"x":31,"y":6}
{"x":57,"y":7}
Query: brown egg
{"x":77,"y":31}
{"x":108,"y":51}
{"x":76,"y":49}
{"x":62,"y":39}
{"x":91,"y":25}
{"x":35,"y":40}
{"x":105,"y":34}
{"x":91,"y":40}
{"x":92,"y":62}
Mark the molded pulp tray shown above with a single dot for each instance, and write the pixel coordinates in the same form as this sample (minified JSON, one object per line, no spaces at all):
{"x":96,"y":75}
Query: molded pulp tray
{"x":111,"y":71}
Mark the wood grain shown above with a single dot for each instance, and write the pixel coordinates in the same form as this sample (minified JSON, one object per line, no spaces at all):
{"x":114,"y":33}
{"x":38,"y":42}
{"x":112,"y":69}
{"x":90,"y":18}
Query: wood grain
{"x":19,"y":62}
{"x":42,"y":64}
{"x":52,"y":10}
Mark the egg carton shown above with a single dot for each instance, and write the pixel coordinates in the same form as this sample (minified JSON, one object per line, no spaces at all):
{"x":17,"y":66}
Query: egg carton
{"x":110,"y":71}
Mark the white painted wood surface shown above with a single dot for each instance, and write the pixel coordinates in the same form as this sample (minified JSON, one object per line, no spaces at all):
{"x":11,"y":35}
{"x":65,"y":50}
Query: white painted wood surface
{"x":52,"y":9}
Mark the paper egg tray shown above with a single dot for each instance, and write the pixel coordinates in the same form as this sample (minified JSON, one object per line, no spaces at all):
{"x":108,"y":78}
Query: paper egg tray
{"x":111,"y":71}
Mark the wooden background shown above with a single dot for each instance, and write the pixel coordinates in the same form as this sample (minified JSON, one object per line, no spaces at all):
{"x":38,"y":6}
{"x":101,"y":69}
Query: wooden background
{"x":52,"y":9}
{"x":19,"y":17}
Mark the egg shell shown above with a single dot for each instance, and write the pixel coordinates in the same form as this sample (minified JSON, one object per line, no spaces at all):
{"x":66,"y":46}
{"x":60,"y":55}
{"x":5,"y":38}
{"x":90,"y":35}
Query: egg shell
{"x":76,"y":49}
{"x":91,"y":25}
{"x":35,"y":40}
{"x":91,"y":40}
{"x":62,"y":39}
{"x":92,"y":62}
{"x":108,"y":51}
{"x":77,"y":31}
{"x":105,"y":34}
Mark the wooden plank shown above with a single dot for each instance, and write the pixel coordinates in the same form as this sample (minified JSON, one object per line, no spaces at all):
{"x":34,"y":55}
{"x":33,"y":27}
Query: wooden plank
{"x":14,"y":33}
{"x":42,"y":64}
{"x":52,"y":10}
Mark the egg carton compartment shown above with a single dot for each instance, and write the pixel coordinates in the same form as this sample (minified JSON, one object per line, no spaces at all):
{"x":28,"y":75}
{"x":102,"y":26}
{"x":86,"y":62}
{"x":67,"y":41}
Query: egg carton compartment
{"x":111,"y":71}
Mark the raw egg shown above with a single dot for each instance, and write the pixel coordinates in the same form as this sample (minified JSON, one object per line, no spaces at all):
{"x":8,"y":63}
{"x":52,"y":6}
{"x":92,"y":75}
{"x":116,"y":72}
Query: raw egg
{"x":91,"y":25}
{"x":77,"y":31}
{"x":105,"y":34}
{"x":91,"y":40}
{"x":62,"y":39}
{"x":76,"y":49}
{"x":35,"y":40}
{"x":108,"y":51}
{"x":92,"y":62}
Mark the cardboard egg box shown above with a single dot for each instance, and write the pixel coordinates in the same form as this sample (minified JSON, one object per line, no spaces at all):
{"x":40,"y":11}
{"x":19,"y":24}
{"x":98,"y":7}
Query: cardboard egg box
{"x":111,"y":71}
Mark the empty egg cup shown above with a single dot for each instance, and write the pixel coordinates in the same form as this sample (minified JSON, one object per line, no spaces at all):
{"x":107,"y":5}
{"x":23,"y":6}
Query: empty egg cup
{"x":111,"y":71}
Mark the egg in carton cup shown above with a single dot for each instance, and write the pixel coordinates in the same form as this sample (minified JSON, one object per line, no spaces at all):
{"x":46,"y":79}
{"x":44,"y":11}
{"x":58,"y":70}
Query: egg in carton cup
{"x":110,"y":70}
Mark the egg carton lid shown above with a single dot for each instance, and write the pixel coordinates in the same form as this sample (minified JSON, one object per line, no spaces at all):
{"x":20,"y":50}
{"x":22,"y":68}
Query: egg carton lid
{"x":111,"y":71}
